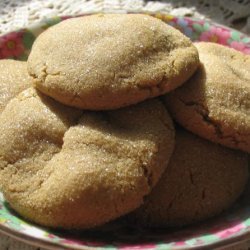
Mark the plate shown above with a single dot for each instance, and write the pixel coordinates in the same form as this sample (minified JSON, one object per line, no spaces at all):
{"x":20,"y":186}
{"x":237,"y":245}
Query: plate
{"x":231,"y":227}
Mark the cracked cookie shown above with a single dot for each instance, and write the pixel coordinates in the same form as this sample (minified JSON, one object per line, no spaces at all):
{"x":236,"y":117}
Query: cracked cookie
{"x":215,"y":102}
{"x":201,"y":180}
{"x":101,"y":62}
{"x":14,"y":78}
{"x":62,"y":167}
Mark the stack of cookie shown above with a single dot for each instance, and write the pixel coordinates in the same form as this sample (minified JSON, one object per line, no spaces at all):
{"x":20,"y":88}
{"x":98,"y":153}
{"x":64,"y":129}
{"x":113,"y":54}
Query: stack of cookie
{"x":85,"y":139}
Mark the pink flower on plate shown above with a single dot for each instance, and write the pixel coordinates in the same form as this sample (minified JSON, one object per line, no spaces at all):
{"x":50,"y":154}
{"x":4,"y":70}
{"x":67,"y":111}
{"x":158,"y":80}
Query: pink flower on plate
{"x":180,"y":243}
{"x":230,"y":232}
{"x":216,"y":35}
{"x":240,"y":46}
{"x":50,"y":236}
{"x":139,"y":247}
{"x":246,"y":51}
{"x":11,"y":45}
{"x":208,"y":36}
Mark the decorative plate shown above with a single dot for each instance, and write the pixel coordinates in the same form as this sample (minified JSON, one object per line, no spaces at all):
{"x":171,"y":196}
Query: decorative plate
{"x":231,"y":227}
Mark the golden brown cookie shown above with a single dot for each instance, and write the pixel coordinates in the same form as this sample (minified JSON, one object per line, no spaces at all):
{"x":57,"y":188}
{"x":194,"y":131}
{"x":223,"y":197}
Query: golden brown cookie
{"x":101,"y":62}
{"x":62,"y":168}
{"x":215,"y":102}
{"x":201,"y":180}
{"x":14,"y":78}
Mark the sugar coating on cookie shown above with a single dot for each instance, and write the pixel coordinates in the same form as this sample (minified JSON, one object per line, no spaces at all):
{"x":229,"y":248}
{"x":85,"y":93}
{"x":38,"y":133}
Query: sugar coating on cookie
{"x":14,"y":78}
{"x":110,"y":61}
{"x":202,"y":180}
{"x":215,"y":102}
{"x":64,"y":168}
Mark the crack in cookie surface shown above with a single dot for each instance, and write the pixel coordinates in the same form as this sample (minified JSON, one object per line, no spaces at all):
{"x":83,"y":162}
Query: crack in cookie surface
{"x":202,"y":180}
{"x":74,"y":169}
{"x":215,"y":102}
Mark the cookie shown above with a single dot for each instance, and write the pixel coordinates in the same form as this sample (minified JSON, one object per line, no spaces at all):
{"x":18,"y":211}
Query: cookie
{"x":201,"y":180}
{"x":64,"y":168}
{"x":215,"y":102}
{"x":14,"y":78}
{"x":101,"y":62}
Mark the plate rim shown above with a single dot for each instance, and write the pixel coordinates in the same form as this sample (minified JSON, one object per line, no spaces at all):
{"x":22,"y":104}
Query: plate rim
{"x":35,"y":241}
